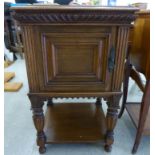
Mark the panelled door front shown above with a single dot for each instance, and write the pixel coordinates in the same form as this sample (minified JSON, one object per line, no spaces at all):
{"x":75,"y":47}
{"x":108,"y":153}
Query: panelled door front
{"x":74,"y":58}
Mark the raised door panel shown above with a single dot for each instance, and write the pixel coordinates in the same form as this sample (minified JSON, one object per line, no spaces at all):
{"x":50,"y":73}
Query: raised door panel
{"x":74,"y":61}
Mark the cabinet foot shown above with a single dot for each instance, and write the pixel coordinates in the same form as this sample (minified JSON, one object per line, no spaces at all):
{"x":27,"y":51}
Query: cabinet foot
{"x":108,"y":148}
{"x":42,"y":150}
{"x":134,"y":150}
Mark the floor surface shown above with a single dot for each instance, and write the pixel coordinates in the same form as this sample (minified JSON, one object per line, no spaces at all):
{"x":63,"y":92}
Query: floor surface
{"x":20,"y":135}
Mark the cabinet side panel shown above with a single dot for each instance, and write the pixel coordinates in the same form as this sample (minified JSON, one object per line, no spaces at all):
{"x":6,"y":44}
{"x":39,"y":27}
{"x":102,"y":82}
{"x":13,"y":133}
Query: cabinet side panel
{"x":29,"y":50}
{"x":121,"y":49}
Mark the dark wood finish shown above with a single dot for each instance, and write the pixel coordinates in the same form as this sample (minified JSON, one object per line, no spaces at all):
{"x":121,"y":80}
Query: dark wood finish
{"x":138,"y":60}
{"x":72,"y":14}
{"x":75,"y":123}
{"x":75,"y":51}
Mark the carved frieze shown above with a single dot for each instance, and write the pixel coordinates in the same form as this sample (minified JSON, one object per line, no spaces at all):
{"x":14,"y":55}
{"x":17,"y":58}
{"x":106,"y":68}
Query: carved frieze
{"x":75,"y":16}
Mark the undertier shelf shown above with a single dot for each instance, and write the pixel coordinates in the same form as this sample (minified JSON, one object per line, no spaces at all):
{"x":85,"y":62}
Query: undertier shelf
{"x":74,"y":122}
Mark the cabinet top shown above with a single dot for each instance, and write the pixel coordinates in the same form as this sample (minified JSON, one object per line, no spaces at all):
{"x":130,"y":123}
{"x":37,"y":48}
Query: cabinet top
{"x":54,"y":14}
{"x":73,"y":7}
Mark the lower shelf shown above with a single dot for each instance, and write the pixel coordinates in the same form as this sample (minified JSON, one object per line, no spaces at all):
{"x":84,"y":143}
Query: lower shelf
{"x":74,"y":122}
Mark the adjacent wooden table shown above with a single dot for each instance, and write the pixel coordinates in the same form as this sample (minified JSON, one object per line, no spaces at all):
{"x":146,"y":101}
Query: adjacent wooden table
{"x":138,"y":61}
{"x":74,"y":51}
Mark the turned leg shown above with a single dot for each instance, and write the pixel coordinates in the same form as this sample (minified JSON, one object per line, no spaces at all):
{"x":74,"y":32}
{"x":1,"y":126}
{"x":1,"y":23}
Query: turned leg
{"x":38,"y":119}
{"x":49,"y":102}
{"x":99,"y":101}
{"x":111,"y":119}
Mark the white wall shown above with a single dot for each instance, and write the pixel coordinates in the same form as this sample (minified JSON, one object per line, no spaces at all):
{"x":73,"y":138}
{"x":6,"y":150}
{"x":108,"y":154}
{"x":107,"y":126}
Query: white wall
{"x":13,"y":1}
{"x":103,"y":2}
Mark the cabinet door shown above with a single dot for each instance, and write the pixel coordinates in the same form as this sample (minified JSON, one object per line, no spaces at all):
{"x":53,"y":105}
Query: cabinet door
{"x":74,"y":59}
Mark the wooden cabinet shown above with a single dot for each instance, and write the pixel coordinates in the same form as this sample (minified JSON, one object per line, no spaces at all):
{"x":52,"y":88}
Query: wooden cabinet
{"x":74,"y":51}
{"x":74,"y":56}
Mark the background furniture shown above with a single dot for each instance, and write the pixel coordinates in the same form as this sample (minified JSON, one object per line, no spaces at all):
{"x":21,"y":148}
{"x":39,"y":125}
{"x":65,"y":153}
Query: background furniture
{"x":74,"y":51}
{"x":138,"y":60}
{"x":62,"y":2}
{"x":12,"y":32}
{"x":26,"y":1}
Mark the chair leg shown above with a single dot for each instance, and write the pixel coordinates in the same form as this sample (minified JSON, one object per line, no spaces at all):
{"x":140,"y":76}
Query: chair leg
{"x":142,"y":116}
{"x":125,"y":87}
{"x":136,"y":77}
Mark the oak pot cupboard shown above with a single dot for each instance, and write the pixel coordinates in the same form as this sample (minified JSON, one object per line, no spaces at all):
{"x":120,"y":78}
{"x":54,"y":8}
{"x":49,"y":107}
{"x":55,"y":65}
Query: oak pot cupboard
{"x":74,"y":51}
